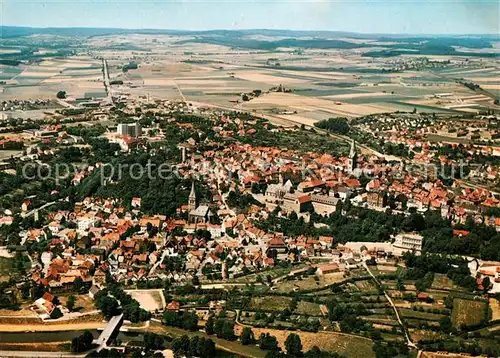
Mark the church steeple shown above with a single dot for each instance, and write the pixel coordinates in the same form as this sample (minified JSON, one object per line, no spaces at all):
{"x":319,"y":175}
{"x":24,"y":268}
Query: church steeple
{"x":352,"y":152}
{"x":353,"y":157}
{"x":192,"y":198}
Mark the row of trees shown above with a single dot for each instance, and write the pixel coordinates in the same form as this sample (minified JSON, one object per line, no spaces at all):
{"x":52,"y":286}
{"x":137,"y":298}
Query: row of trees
{"x":194,"y":347}
{"x":423,"y":267}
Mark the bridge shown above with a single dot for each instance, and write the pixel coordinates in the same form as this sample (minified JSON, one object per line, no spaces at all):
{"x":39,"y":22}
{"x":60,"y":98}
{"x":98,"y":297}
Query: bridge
{"x":114,"y":323}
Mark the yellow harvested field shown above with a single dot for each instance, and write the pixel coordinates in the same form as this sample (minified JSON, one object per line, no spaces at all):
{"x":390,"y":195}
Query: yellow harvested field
{"x":473,"y":70}
{"x":491,"y":87}
{"x":357,"y":95}
{"x":298,"y":119}
{"x":61,"y":326}
{"x":159,"y":82}
{"x":58,"y":79}
{"x":442,"y":355}
{"x":321,"y":75}
{"x":37,"y":74}
{"x":495,"y":309}
{"x":352,"y":346}
{"x":21,"y":313}
{"x":217,"y":90}
{"x":485,"y":79}
{"x":273,"y":80}
{"x":300,"y":104}
{"x":202,"y":82}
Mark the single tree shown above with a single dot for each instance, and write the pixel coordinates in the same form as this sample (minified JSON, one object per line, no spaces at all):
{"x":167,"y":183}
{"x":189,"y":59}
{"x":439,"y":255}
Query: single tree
{"x":71,"y":302}
{"x":247,"y":336}
{"x":293,"y":345}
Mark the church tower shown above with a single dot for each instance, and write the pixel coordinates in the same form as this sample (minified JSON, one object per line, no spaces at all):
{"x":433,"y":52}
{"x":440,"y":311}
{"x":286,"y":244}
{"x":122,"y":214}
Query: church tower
{"x":192,"y":198}
{"x":353,"y":158}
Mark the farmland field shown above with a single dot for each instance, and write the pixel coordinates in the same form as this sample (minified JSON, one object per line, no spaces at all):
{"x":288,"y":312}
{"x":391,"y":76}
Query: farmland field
{"x":442,"y":282}
{"x":408,"y":313}
{"x":468,"y":312}
{"x":495,"y":309}
{"x":269,"y":303}
{"x":308,"y":308}
{"x":308,"y":283}
{"x":349,"y":345}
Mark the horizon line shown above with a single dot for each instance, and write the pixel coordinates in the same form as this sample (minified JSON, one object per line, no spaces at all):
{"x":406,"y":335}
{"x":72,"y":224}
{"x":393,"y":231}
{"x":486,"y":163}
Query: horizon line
{"x":496,"y":34}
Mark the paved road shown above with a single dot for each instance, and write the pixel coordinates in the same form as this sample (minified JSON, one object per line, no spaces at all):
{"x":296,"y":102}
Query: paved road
{"x":180,"y":91}
{"x":106,"y":81}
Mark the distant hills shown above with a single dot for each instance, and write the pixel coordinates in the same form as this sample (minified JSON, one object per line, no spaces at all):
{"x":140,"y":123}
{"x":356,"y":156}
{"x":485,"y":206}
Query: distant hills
{"x":245,"y":39}
{"x":11,"y":31}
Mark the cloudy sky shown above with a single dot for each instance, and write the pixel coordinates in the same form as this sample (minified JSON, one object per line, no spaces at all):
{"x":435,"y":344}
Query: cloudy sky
{"x":368,"y":16}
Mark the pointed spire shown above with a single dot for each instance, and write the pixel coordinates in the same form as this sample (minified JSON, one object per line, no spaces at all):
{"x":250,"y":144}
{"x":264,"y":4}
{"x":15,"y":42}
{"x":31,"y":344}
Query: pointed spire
{"x":193,"y":191}
{"x":192,"y":198}
{"x":352,"y":153}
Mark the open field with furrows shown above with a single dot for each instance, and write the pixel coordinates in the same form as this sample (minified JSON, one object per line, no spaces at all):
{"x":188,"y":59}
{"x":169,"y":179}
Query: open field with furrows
{"x":468,"y":312}
{"x":301,"y":104}
{"x":323,"y":82}
{"x":76,"y":75}
{"x":348,"y":345}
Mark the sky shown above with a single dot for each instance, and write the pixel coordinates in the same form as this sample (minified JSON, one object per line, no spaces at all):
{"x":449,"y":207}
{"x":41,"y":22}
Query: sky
{"x":366,"y":16}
